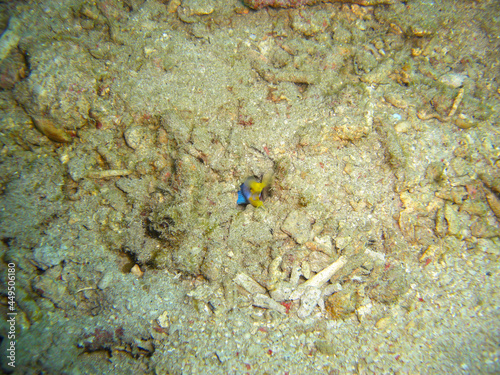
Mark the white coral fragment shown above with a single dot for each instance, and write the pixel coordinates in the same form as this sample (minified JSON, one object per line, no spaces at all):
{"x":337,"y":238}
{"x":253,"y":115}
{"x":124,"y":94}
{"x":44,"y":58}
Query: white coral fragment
{"x":320,"y":278}
{"x":261,"y":300}
{"x":308,"y":302}
{"x":249,"y":284}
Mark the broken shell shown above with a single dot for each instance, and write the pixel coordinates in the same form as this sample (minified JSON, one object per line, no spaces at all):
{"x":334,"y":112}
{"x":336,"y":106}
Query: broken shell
{"x":48,"y":128}
{"x":136,"y":271}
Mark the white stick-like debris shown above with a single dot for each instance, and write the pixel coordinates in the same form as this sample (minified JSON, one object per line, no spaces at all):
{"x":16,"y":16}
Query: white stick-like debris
{"x":109,"y":173}
{"x":261,"y":300}
{"x":249,"y":284}
{"x":320,"y":278}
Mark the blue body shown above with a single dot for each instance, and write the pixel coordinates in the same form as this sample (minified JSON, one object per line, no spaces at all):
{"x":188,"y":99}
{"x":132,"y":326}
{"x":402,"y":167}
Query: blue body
{"x":244,"y":194}
{"x":251,"y":191}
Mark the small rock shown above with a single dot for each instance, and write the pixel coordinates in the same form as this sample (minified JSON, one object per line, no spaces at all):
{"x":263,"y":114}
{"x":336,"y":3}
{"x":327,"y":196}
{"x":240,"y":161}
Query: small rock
{"x":298,"y":226}
{"x":163,"y":320}
{"x":454,"y":80}
{"x":342,"y":304}
{"x":390,"y":286}
{"x":309,"y":22}
{"x":199,"y":7}
{"x":329,"y":289}
{"x":173,"y":5}
{"x":306,"y":269}
{"x":105,"y":281}
{"x":134,"y":136}
{"x":190,"y":9}
{"x":384,"y":322}
{"x":281,"y":292}
{"x":489,"y":246}
{"x":275,"y":275}
{"x":342,"y":242}
{"x":325,"y":347}
{"x":318,"y":261}
{"x":365,"y":61}
{"x":452,"y":219}
{"x":474,"y":207}
{"x":136,"y":270}
{"x":49,"y":255}
{"x":481,"y":229}
{"x":402,"y":126}
{"x":323,"y":244}
{"x":308,"y":301}
{"x":435,"y":171}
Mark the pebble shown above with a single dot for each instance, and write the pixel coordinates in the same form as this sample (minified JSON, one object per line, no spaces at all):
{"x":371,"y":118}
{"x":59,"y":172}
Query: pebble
{"x":402,"y":126}
{"x":136,"y":271}
{"x":105,"y":281}
{"x":308,"y":301}
{"x":454,"y":80}
{"x":281,"y":292}
{"x":452,"y":219}
{"x":51,"y":130}
{"x":134,"y":137}
{"x":10,"y":38}
{"x":189,"y":9}
{"x":47,"y":255}
{"x":163,"y":320}
{"x":298,"y":226}
{"x":199,"y":7}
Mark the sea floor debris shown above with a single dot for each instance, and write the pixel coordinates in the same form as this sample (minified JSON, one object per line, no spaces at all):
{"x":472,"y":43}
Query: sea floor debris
{"x":127,"y":128}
